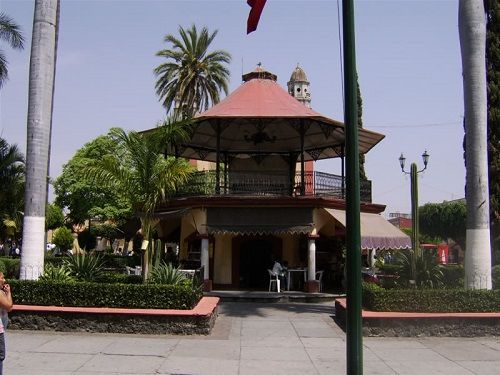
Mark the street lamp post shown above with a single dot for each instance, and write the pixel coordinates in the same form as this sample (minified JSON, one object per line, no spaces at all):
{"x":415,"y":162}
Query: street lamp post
{"x":414,"y":209}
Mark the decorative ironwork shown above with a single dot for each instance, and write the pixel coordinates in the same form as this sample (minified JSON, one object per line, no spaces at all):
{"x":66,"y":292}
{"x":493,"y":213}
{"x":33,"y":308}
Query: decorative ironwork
{"x":260,"y":137}
{"x":259,"y":158}
{"x":202,"y":153}
{"x":327,"y":129}
{"x":301,"y":127}
{"x":220,"y":125}
{"x":259,"y":183}
{"x":316,"y":153}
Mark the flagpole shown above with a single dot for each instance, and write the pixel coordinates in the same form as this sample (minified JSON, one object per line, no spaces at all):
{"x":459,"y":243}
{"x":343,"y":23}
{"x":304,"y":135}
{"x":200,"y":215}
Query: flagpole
{"x":354,"y":334}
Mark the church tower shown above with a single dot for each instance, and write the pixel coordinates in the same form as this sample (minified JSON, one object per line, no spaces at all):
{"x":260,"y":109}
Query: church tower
{"x":298,"y":86}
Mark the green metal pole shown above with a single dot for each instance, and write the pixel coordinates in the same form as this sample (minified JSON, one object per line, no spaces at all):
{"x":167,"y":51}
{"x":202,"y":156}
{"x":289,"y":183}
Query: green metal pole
{"x":354,"y":334}
{"x":414,"y":220}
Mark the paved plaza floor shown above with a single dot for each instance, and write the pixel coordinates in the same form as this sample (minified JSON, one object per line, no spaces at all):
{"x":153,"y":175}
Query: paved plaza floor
{"x":248,"y":339}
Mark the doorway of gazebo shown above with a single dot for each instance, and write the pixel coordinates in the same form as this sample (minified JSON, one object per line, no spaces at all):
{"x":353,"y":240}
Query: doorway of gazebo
{"x":252,"y":257}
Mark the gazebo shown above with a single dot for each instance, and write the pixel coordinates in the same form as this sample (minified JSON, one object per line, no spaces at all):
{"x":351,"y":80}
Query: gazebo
{"x":254,"y":199}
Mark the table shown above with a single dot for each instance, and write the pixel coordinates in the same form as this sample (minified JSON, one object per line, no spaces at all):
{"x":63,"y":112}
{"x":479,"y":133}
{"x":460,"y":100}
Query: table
{"x":290,"y":271}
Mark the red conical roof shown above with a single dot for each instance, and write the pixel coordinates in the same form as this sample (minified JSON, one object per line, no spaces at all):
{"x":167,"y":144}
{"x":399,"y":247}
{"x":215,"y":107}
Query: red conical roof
{"x":261,"y":118}
{"x":262,"y":98}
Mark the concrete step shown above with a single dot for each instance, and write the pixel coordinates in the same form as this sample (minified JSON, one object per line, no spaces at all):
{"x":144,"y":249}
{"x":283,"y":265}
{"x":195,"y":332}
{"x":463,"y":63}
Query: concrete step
{"x":272,"y":297}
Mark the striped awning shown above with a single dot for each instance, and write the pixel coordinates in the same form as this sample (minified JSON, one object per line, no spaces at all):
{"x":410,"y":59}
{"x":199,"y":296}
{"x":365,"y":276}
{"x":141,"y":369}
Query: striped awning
{"x":376,"y":232}
{"x":259,"y":221}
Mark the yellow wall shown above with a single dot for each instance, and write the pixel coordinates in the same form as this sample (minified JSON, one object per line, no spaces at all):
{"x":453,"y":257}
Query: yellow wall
{"x":194,"y":221}
{"x":223,"y":259}
{"x":323,"y":222}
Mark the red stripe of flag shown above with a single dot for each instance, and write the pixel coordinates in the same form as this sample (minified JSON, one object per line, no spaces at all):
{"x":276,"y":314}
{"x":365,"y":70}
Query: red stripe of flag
{"x":254,"y":16}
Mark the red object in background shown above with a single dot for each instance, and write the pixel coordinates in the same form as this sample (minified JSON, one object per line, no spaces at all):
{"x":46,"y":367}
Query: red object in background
{"x":443,"y":253}
{"x":255,"y":12}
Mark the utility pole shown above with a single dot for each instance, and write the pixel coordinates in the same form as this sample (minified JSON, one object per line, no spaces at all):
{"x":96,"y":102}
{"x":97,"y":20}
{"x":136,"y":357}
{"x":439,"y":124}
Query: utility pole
{"x":354,"y":334}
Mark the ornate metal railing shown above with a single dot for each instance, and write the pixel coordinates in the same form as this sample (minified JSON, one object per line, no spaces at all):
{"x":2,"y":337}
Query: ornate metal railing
{"x":257,"y":183}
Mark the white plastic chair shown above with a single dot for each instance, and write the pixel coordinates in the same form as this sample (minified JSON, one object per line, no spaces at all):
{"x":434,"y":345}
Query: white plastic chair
{"x":319,"y":277}
{"x":274,"y":279}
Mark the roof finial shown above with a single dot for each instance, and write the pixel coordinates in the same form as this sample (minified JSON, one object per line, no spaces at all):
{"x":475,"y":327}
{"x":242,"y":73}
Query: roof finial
{"x":259,"y":64}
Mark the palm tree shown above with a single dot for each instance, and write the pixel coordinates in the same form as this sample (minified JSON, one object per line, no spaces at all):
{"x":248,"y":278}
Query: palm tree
{"x":11,"y":33}
{"x":141,"y":172}
{"x":41,"y":92}
{"x":472,"y":31}
{"x":191,"y":77}
{"x":12,"y":183}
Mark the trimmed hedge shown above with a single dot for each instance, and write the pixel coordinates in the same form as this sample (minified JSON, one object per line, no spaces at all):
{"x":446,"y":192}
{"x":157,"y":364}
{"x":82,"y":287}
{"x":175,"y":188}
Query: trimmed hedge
{"x":376,"y":298}
{"x":495,"y":276}
{"x":118,"y":278}
{"x":85,"y":294}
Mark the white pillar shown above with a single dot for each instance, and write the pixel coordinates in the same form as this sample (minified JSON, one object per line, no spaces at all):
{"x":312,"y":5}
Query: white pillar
{"x":204,"y":258}
{"x":311,"y":261}
{"x":371,"y":260}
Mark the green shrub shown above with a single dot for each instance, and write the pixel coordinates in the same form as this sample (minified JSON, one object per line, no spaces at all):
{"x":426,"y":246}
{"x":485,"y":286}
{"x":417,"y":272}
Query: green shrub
{"x":12,"y":267}
{"x":63,"y":238}
{"x":389,"y":268}
{"x":119,"y":262}
{"x":56,"y":274}
{"x":429,"y":273}
{"x":3,"y":268}
{"x":376,"y":298}
{"x":118,"y":278}
{"x":495,"y":276}
{"x":149,"y":296}
{"x":84,"y":267}
{"x":54,"y":261}
{"x":87,"y":240}
{"x":453,"y":275}
{"x":167,"y":274}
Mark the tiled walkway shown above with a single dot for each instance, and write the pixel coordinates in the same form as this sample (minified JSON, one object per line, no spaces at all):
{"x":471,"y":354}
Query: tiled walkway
{"x":248,"y":339}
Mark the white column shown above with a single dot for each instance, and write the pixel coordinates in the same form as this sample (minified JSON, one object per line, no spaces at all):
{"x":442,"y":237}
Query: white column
{"x":204,"y":258}
{"x":372,"y":253}
{"x":311,"y":261}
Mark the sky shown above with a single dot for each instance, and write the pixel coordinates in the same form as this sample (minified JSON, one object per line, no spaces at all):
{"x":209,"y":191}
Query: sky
{"x":408,"y":62}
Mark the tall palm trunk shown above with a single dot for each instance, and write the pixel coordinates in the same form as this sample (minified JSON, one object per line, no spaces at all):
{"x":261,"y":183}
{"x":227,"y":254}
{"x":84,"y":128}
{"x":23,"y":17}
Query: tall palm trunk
{"x":472,"y":30}
{"x":41,"y":89}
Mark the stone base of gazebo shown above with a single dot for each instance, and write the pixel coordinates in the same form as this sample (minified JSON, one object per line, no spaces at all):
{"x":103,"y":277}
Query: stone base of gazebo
{"x":207,"y":285}
{"x":313,"y":286}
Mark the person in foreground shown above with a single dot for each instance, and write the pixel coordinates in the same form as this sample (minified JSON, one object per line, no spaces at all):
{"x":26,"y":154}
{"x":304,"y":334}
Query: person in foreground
{"x":5,"y":307}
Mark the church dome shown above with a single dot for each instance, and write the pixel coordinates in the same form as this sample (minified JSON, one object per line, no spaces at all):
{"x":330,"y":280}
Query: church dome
{"x":298,"y":75}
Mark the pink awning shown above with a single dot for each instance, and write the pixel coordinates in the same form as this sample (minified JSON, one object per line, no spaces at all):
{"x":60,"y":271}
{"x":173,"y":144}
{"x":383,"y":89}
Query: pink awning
{"x":376,"y":232}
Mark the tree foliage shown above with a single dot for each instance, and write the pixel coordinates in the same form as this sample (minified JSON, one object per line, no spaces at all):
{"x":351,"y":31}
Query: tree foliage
{"x":444,"y":220}
{"x":362,"y":173}
{"x":12,"y":188}
{"x":63,"y":238}
{"x":11,"y":33}
{"x":192,"y":75}
{"x":141,"y":173}
{"x":85,"y":199}
{"x":54,"y":217}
